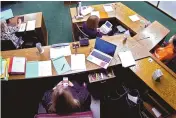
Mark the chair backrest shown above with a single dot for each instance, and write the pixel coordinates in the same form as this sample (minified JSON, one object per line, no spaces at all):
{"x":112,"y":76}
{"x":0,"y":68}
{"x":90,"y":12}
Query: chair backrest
{"x":7,"y":45}
{"x":87,"y":114}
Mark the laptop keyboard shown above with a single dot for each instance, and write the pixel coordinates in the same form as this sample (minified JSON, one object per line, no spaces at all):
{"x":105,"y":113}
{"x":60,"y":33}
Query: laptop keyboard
{"x":100,"y":56}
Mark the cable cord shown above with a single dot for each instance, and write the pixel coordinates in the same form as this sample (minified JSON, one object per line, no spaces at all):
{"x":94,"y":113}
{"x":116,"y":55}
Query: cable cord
{"x":81,"y":31}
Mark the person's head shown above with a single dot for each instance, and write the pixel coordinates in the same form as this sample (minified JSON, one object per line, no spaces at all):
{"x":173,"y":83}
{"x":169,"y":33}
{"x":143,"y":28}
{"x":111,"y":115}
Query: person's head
{"x":63,"y":101}
{"x":93,"y":22}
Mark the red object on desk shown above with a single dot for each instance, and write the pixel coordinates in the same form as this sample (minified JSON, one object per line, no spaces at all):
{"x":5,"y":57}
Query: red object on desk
{"x":17,"y":65}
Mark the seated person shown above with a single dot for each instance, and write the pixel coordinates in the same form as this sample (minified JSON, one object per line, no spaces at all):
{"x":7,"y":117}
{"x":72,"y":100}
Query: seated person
{"x":90,"y":27}
{"x":64,"y":100}
{"x":168,"y":52}
{"x":8,"y":33}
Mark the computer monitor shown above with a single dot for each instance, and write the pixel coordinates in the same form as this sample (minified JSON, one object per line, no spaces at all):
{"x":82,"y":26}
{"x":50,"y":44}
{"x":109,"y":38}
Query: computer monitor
{"x":104,"y":46}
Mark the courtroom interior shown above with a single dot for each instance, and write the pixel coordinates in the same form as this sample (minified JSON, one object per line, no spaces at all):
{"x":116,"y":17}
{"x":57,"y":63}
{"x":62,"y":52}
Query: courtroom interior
{"x":88,"y":59}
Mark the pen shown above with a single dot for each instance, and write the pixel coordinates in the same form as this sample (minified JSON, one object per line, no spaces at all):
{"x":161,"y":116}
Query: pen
{"x":63,"y":67}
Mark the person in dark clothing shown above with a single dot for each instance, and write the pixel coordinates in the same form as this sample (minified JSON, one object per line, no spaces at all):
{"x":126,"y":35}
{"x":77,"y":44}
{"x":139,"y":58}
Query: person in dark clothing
{"x":90,"y":27}
{"x":64,"y":100}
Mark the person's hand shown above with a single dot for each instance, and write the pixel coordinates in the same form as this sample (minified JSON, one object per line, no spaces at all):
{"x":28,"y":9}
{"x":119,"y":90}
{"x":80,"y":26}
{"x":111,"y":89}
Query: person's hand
{"x":60,"y":83}
{"x":70,"y":84}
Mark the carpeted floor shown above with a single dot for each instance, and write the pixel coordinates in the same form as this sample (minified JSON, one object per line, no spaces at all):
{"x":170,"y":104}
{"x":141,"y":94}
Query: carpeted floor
{"x":58,"y":22}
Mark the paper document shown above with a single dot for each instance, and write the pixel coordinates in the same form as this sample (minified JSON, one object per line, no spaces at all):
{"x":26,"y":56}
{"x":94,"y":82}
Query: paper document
{"x":22,"y":27}
{"x":132,"y":98}
{"x":44,"y":68}
{"x":31,"y":25}
{"x":78,"y":62}
{"x":108,"y":8}
{"x":156,"y":112}
{"x":96,"y":13}
{"x":86,"y":10}
{"x":61,"y":65}
{"x":134,"y":18}
{"x":60,"y":51}
{"x":31,"y":69}
{"x":18,"y":64}
{"x":126,"y":58}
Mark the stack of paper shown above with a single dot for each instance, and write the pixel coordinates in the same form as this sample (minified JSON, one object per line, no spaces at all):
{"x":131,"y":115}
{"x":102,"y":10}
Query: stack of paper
{"x":96,"y":13}
{"x":134,"y":18}
{"x":36,"y":69}
{"x":60,"y":51}
{"x":30,"y":25}
{"x":78,"y":62}
{"x":108,"y":8}
{"x":126,"y":58}
{"x":61,"y":65}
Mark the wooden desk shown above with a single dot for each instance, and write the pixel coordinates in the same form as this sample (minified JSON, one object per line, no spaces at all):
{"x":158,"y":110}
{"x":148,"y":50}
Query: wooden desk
{"x":40,"y":27}
{"x":121,"y":12}
{"x":156,"y":33}
{"x":32,"y":54}
{"x":166,"y":88}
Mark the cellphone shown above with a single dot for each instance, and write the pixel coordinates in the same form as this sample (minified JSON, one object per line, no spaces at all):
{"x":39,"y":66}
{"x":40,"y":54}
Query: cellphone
{"x":65,"y":81}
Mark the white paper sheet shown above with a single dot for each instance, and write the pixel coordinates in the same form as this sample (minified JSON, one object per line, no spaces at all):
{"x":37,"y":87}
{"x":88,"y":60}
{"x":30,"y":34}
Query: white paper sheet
{"x":126,"y":58}
{"x":22,"y":27}
{"x":45,"y":68}
{"x":156,"y":112}
{"x":134,"y":18}
{"x":18,"y":64}
{"x":60,"y":51}
{"x":30,"y":25}
{"x":96,"y":13}
{"x":78,"y":62}
{"x":86,"y":10}
{"x":108,"y":8}
{"x":132,"y":98}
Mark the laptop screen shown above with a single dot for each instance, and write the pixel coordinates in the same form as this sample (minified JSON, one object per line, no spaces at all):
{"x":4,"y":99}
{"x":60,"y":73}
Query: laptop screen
{"x":105,"y":47}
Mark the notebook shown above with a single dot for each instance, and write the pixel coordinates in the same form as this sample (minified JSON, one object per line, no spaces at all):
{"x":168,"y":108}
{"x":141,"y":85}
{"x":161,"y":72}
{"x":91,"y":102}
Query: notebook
{"x":126,"y":58}
{"x":61,"y":65}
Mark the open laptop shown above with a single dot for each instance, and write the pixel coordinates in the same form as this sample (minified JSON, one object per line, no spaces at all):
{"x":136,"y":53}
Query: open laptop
{"x":106,"y":28}
{"x":102,"y":53}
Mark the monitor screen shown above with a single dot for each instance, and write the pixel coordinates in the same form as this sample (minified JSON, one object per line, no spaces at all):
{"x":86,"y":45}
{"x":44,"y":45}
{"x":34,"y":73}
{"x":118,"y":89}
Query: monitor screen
{"x":108,"y":24}
{"x":105,"y":46}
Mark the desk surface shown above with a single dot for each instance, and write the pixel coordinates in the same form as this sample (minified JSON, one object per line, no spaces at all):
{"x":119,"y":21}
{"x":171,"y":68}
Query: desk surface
{"x":166,"y":88}
{"x":121,"y":12}
{"x":156,"y":32}
{"x":32,"y":53}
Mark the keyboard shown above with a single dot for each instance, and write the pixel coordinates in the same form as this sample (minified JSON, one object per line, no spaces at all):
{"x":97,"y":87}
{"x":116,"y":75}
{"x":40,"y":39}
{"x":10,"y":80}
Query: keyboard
{"x":101,"y":57}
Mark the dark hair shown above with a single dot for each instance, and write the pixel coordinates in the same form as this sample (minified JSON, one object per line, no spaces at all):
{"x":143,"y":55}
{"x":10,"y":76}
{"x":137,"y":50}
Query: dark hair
{"x":93,"y":22}
{"x":63,"y":101}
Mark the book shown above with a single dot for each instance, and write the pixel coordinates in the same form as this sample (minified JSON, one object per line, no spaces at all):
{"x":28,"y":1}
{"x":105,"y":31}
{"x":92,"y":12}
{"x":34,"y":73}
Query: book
{"x":17,"y":65}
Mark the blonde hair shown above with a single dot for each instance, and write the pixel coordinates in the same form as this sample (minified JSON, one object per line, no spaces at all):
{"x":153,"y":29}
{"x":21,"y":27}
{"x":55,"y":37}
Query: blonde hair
{"x":93,"y":22}
{"x":63,"y":101}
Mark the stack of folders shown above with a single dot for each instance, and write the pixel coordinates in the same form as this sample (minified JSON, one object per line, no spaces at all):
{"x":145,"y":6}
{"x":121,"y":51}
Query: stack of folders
{"x":61,"y":65}
{"x":17,"y":65}
{"x":38,"y":69}
{"x":4,"y":68}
